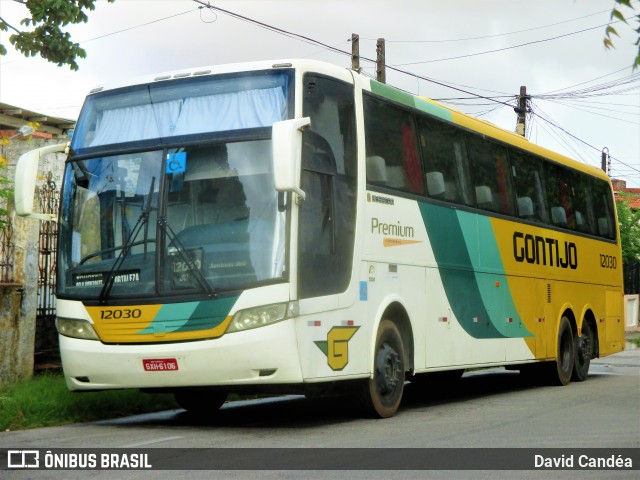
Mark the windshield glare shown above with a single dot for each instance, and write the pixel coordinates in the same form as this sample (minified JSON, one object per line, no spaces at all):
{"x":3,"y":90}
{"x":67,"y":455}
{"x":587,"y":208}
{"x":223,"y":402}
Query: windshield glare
{"x":197,"y":219}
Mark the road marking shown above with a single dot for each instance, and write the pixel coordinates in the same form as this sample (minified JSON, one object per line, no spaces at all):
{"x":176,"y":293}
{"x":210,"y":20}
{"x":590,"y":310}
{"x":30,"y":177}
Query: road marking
{"x":149,"y":442}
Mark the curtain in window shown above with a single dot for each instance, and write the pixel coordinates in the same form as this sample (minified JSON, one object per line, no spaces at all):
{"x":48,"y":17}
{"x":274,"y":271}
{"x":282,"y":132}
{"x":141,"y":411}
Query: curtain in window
{"x":231,"y":111}
{"x":129,"y":124}
{"x":208,"y":113}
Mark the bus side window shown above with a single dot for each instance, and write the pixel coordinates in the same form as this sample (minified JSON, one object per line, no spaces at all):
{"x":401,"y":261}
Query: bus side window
{"x":445,"y":162}
{"x":391,"y":135}
{"x":558,"y":194}
{"x":490,"y":175}
{"x":603,"y":209}
{"x":527,"y":183}
{"x":583,"y":207}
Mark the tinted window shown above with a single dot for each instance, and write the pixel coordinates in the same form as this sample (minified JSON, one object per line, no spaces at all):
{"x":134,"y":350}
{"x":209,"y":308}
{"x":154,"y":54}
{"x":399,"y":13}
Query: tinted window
{"x":445,"y":161}
{"x":603,"y":209}
{"x":490,"y":175}
{"x":392,"y":152}
{"x":528,"y":180}
{"x":559,"y":198}
{"x":327,"y":217}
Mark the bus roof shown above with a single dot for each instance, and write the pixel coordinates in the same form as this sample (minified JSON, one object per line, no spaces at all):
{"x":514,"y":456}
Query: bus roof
{"x":395,"y":94}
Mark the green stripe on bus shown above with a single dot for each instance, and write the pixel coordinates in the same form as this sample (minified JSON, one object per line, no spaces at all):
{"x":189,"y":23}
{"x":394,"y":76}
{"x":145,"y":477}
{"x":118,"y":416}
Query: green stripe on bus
{"x":474,"y":283}
{"x":410,"y":101}
{"x":496,"y":296}
{"x":456,"y":270}
{"x":191,"y":316}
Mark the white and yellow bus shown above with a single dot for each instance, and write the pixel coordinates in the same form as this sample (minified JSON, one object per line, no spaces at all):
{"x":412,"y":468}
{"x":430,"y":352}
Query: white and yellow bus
{"x":298,"y":227}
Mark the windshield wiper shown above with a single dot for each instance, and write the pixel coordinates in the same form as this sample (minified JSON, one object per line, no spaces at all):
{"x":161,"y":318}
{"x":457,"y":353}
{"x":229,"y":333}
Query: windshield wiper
{"x":193,"y":268}
{"x":142,"y":221}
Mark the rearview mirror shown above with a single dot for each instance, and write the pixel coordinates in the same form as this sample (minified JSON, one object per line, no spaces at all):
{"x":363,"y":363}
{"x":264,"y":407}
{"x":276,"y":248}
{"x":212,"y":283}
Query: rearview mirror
{"x":286,"y":146}
{"x":26,"y":176}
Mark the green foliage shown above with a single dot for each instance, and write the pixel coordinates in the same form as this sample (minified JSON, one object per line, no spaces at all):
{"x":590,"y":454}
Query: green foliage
{"x":45,"y":401}
{"x":616,"y":13}
{"x":47,"y":37}
{"x":6,"y":190}
{"x":629,"y":230}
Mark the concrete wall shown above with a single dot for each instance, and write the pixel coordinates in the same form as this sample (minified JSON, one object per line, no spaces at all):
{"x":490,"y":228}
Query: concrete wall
{"x":19,"y":298}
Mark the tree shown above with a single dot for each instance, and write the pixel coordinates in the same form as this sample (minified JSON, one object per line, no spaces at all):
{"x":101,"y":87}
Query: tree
{"x":617,"y":13}
{"x":629,"y":221}
{"x":47,"y":38}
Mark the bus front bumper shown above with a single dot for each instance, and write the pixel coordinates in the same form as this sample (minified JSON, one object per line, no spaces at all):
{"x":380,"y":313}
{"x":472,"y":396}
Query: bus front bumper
{"x":262,"y":356}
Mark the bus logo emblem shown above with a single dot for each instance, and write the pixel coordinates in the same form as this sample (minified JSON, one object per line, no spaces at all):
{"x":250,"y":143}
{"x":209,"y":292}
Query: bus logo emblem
{"x":336,"y":347}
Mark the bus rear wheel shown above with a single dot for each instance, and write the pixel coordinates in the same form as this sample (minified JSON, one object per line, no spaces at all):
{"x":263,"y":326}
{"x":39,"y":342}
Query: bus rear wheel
{"x":200,"y":402}
{"x":561,"y":370}
{"x":380,"y":396}
{"x":583,"y":353}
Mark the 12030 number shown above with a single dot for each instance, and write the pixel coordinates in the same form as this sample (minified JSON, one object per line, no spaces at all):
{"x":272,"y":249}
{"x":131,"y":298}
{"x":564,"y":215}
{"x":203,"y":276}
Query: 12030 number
{"x":608,"y":261}
{"x":121,"y":313}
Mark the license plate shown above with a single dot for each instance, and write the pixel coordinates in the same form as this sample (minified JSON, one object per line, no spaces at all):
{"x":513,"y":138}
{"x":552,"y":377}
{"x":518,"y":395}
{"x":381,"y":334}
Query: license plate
{"x":160,"y":364}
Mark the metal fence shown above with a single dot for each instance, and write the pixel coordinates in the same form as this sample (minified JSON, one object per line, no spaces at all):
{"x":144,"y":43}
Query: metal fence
{"x":6,"y":254}
{"x":47,"y":352}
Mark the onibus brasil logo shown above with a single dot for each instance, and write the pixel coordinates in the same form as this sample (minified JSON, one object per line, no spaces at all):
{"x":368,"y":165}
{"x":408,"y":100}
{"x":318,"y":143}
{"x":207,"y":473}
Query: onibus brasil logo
{"x":336,"y":347}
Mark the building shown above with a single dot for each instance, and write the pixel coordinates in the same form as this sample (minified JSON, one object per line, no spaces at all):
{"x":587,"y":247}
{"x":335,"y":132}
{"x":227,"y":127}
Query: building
{"x":631,"y":195}
{"x":27,"y":247}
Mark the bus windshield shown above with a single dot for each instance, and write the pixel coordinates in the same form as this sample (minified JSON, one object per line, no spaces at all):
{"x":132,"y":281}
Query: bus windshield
{"x":183,"y":220}
{"x":169,"y":190}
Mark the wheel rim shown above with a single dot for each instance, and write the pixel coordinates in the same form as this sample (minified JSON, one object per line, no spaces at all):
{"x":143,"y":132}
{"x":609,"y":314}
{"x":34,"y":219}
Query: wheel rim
{"x":389,"y":371}
{"x":566,"y":359}
{"x":584,"y":347}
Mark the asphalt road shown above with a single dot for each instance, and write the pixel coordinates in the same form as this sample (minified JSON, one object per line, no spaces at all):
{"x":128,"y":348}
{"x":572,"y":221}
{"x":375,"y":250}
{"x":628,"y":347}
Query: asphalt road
{"x":490,"y":408}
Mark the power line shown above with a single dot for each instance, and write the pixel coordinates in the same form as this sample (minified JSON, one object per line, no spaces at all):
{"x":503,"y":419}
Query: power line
{"x":505,"y":48}
{"x":589,"y":81}
{"x":598,"y":112}
{"x":123,"y":30}
{"x":331,"y":48}
{"x":548,"y":120}
{"x":139,"y":26}
{"x":599,"y":90}
{"x":495,"y":35}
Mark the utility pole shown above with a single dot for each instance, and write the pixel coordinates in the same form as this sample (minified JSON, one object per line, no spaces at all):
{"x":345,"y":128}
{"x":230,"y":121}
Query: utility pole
{"x":381,"y":75}
{"x":606,"y":161}
{"x":355,"y":52}
{"x":521,"y":110}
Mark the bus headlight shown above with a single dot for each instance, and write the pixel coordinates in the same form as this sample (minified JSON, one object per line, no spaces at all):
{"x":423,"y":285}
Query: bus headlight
{"x":260,"y":316}
{"x":74,"y":328}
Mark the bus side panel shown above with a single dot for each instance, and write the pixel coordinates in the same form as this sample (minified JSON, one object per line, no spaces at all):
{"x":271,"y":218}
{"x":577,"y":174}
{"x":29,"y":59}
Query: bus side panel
{"x":564,"y":273}
{"x":614,"y":323}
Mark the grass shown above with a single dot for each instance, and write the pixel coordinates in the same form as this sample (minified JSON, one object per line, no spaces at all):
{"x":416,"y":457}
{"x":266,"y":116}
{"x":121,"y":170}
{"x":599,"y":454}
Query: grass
{"x":635,"y":341}
{"x":44,"y":401}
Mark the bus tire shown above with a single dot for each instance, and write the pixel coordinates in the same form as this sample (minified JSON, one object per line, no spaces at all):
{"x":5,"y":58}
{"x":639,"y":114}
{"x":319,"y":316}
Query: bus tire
{"x":380,"y":396}
{"x":204,"y":403}
{"x":583,"y":353}
{"x":562,"y":369}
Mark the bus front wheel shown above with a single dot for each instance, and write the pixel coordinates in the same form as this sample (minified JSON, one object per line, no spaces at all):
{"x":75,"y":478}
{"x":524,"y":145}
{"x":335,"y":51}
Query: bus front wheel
{"x":380,"y":396}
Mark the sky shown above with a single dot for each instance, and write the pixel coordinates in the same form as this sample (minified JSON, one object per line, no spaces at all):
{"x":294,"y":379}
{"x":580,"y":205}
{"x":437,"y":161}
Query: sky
{"x":472,"y":55}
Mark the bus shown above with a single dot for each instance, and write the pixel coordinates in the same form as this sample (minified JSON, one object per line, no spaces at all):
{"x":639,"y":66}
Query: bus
{"x":295,"y":226}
